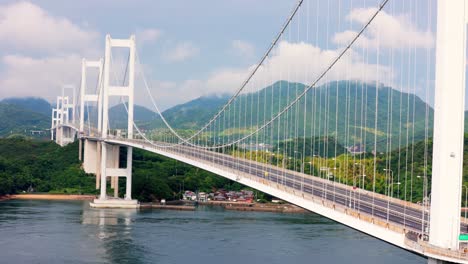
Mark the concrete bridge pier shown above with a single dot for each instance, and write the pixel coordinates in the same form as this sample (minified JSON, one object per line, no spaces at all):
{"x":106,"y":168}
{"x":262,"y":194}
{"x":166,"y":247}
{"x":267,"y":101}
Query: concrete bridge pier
{"x":92,"y":159}
{"x":64,"y":135}
{"x":58,"y":136}
{"x":109,"y":168}
{"x":80,"y":149}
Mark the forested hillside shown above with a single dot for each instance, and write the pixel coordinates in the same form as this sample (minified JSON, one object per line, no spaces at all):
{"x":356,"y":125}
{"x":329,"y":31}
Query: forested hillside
{"x":346,"y":110}
{"x":16,"y":119}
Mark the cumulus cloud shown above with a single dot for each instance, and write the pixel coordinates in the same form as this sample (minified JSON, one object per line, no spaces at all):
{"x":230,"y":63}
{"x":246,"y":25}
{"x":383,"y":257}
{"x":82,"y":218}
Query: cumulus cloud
{"x":148,"y":35}
{"x":386,"y":31}
{"x":27,"y":76}
{"x":243,"y":48}
{"x":295,"y":62}
{"x":299,"y":62}
{"x":41,"y":52}
{"x":27,"y":27}
{"x":182,"y":52}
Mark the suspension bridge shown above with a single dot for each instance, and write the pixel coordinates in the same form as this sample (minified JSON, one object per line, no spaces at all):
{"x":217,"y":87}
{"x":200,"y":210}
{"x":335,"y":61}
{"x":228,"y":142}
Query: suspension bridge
{"x":344,"y":145}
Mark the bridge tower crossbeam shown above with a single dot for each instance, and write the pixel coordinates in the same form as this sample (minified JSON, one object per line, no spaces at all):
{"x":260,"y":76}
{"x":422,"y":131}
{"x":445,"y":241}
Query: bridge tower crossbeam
{"x":89,"y":97}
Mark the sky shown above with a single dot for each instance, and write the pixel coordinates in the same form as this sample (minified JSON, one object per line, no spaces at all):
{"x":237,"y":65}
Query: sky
{"x":187,"y":49}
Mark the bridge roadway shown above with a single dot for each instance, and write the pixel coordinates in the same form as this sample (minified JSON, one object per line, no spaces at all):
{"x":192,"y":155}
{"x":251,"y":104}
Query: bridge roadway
{"x":392,"y":220}
{"x":391,"y":210}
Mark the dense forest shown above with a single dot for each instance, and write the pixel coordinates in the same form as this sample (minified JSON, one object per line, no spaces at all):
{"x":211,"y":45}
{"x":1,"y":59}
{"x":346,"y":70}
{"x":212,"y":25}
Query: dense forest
{"x":43,"y":166}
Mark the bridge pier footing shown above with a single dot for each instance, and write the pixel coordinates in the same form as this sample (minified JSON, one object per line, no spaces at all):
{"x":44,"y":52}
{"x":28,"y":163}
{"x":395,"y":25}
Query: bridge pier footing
{"x":109,"y":168}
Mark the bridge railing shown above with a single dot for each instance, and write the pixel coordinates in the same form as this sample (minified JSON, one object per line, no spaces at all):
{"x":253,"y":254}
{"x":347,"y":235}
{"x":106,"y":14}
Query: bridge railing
{"x":318,"y":183}
{"x":413,"y":238}
{"x":419,"y":244}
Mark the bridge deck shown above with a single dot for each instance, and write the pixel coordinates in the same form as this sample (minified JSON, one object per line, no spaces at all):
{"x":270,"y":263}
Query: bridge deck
{"x":383,"y":217}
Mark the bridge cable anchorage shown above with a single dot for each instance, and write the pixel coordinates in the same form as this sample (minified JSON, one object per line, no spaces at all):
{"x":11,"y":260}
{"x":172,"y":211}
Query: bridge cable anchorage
{"x":318,"y":79}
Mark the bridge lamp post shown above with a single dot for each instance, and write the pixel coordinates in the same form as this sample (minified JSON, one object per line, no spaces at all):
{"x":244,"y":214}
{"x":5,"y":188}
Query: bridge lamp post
{"x":302,"y":166}
{"x":391,"y":185}
{"x":424,"y":201}
{"x":425,"y":189}
{"x":334,"y":168}
{"x":388,"y":204}
{"x":313,"y":159}
{"x":363,"y":169}
{"x":270,"y":157}
{"x":354,"y":191}
{"x":327,"y":172}
{"x":389,"y":181}
{"x":355,"y":186}
{"x":302,"y":163}
{"x":310,"y":164}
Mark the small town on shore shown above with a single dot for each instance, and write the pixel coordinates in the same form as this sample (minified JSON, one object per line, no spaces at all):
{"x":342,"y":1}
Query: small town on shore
{"x":243,"y":200}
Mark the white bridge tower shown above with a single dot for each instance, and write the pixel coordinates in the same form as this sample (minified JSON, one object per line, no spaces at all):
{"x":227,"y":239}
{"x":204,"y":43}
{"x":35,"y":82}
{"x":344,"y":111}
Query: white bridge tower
{"x":449,"y":108}
{"x":109,"y":166}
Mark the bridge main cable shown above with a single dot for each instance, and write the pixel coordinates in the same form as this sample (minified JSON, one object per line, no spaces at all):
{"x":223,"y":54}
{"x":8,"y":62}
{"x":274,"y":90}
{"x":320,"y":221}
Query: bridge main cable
{"x":286,"y":108}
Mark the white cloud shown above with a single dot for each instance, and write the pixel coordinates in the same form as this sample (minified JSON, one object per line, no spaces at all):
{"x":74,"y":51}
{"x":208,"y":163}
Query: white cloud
{"x":386,"y":31}
{"x":40,"y":51}
{"x":148,"y":35}
{"x":26,"y":27}
{"x":243,"y":48}
{"x":26,"y":76}
{"x":182,"y":52}
{"x":296,"y":62}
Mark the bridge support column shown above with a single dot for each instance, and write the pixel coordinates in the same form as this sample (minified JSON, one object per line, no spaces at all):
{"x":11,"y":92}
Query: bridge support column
{"x":103,"y":193}
{"x":98,"y":165}
{"x":90,"y":156}
{"x":110,"y":168}
{"x":80,"y":149}
{"x":128,"y":192}
{"x":92,"y":159}
{"x":67,"y":135}
{"x":449,"y":106}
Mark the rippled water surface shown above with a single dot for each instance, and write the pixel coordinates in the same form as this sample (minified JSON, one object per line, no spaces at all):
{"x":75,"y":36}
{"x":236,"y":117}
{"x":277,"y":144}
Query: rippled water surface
{"x":71,"y":232}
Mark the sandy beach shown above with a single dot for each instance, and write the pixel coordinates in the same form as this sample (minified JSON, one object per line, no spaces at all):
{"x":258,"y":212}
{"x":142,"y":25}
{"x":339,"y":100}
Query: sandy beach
{"x":48,"y":197}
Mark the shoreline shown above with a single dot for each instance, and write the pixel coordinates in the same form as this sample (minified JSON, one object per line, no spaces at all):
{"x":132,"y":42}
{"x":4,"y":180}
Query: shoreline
{"x":257,"y":207}
{"x":5,"y":197}
{"x":55,"y":197}
{"x":232,"y":206}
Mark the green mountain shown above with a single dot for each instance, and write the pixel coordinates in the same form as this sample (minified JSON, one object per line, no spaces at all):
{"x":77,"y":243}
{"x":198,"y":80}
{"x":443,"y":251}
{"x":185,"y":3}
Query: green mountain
{"x":33,"y":104}
{"x":16,"y":119}
{"x":192,"y":114}
{"x":143,"y":116}
{"x":346,"y":110}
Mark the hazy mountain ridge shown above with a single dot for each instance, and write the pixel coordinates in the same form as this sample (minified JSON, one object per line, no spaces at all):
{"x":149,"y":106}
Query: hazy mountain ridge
{"x":17,"y":119}
{"x":33,"y":104}
{"x":355,"y":103}
{"x":336,"y":109}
